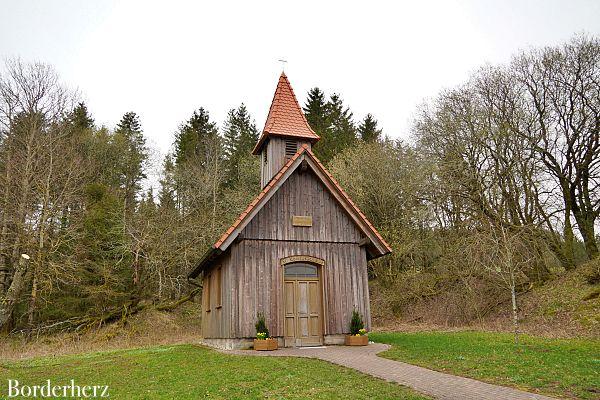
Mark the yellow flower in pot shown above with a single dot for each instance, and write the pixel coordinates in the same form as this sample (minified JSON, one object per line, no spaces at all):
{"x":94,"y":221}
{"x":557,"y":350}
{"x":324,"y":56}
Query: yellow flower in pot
{"x":263,"y":340}
{"x":358,"y":333}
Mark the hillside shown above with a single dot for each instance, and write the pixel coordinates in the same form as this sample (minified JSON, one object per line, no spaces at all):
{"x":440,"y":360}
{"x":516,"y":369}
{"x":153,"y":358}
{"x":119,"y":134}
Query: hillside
{"x":149,"y":327}
{"x":566,"y":305}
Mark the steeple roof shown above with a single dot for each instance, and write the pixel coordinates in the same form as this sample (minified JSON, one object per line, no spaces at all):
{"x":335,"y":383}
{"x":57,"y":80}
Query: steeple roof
{"x":285,"y":117}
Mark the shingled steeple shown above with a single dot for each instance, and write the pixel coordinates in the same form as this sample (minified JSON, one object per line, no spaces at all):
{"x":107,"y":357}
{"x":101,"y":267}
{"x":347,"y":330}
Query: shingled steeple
{"x":285,"y":131}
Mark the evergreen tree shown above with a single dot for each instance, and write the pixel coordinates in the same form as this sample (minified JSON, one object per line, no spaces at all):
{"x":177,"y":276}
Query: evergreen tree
{"x":130,"y":142}
{"x":368,"y":129}
{"x":199,"y":170}
{"x":105,"y":276}
{"x":240,"y":136}
{"x":343,"y":131}
{"x":192,"y":138}
{"x":332,"y":121}
{"x":316,"y":113}
{"x":80,"y":118}
{"x":147,"y":204}
{"x":129,"y":123}
{"x":166,"y":194}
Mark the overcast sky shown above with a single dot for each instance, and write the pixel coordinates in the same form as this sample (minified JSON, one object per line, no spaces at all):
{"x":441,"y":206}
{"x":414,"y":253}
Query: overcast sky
{"x":165,"y":59}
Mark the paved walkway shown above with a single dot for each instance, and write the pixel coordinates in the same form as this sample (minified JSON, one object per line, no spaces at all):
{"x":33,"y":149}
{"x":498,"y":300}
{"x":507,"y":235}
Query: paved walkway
{"x":436,"y":384}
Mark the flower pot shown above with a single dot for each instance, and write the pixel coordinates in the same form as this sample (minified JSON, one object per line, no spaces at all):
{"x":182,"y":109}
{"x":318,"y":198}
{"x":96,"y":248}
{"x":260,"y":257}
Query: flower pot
{"x":265,"y":344}
{"x":352,"y":340}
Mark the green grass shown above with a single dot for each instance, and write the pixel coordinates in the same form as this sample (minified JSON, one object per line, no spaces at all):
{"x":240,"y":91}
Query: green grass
{"x":192,"y":372}
{"x":566,"y":367}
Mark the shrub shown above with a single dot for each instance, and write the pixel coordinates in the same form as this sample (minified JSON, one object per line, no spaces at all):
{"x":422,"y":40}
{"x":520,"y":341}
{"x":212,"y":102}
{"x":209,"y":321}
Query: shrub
{"x":261,"y":327}
{"x":591,"y":271}
{"x":356,"y":324}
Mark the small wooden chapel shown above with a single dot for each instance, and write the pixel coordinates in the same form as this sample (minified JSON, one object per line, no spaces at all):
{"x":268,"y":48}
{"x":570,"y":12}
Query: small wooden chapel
{"x":298,"y":254}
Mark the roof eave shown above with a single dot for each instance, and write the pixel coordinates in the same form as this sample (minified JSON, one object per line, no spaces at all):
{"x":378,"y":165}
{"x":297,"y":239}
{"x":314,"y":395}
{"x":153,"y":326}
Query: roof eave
{"x":211,"y":254}
{"x":374,"y":253}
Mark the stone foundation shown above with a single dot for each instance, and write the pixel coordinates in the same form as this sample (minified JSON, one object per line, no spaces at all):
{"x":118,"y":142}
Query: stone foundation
{"x":329,"y":340}
{"x":248,"y":343}
{"x":234,"y":344}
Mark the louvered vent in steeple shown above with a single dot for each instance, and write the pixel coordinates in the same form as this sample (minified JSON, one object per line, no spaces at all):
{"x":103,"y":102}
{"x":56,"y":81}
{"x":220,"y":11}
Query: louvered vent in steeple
{"x":291,"y":147}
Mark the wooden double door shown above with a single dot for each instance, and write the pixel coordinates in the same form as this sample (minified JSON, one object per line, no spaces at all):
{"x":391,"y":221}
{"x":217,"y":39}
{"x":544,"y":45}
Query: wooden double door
{"x":303,"y":309}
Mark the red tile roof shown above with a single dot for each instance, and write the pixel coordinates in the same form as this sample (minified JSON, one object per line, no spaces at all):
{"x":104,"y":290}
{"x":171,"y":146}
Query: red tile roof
{"x":285,"y":116}
{"x":277,"y":178}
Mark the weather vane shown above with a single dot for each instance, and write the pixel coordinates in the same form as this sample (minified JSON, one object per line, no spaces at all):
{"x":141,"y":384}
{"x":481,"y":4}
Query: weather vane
{"x":283,"y":62}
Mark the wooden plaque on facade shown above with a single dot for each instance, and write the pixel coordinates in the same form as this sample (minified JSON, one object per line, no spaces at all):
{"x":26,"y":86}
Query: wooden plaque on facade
{"x":302,"y":220}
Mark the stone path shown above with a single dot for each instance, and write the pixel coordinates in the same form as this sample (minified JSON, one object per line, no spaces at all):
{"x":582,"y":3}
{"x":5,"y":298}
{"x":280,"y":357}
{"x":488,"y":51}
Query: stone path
{"x":436,"y":384}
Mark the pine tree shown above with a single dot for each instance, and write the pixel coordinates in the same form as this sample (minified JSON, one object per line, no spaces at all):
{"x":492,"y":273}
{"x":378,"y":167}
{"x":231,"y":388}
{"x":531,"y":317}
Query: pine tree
{"x":147,"y":204}
{"x":332,"y":121}
{"x":343,"y":131}
{"x":230,"y":134}
{"x":199,"y":172}
{"x":105,"y":276}
{"x":129,"y":141}
{"x":248,"y":132}
{"x":316,"y":113}
{"x":129,"y":124}
{"x":80,"y":118}
{"x":240,"y":136}
{"x":166,"y":194}
{"x":368,"y":130}
{"x":192,"y":137}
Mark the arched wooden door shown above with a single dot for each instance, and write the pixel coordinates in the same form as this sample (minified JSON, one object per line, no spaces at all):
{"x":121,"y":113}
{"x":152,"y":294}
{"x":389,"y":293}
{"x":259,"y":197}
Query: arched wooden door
{"x":302,"y":308}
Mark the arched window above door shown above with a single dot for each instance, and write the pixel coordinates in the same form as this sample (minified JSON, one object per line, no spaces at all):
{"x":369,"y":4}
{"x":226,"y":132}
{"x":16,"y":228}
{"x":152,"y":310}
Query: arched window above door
{"x":300,"y":270}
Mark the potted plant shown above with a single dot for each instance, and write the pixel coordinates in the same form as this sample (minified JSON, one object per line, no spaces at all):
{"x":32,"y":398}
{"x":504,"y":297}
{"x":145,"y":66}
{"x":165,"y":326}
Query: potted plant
{"x":358,"y":333}
{"x":263,"y":341}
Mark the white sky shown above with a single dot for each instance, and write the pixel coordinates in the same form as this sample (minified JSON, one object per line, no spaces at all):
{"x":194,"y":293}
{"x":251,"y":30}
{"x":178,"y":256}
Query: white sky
{"x":165,"y":59}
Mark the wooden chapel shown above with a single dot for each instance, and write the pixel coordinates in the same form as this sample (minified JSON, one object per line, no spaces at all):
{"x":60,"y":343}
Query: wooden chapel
{"x":298,"y":254}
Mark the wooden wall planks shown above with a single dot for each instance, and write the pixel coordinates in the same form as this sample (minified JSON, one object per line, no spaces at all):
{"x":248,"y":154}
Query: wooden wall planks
{"x":253,"y":276}
{"x":303,"y":194}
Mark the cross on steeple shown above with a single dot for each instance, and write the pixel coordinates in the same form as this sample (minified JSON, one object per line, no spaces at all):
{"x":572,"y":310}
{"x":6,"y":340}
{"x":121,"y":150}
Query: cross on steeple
{"x":283,"y":62}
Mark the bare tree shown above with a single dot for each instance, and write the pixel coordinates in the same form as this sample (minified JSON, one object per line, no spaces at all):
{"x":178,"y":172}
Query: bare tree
{"x":561,"y":89}
{"x":506,"y":254}
{"x":31,"y":101}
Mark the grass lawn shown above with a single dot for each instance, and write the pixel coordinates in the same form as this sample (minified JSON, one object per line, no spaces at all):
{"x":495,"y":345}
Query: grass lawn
{"x":566,"y":367}
{"x":191,"y":372}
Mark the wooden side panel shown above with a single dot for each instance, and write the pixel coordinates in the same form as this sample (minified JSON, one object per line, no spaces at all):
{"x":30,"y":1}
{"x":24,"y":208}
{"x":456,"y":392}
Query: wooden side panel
{"x":303,"y":194}
{"x":260,"y":286}
{"x":216,"y":322}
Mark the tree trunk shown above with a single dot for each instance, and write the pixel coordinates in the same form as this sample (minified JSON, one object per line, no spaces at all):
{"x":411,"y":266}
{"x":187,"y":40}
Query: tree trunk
{"x":513,"y":293}
{"x":585,"y":223}
{"x":41,"y":240}
{"x":8,"y":303}
{"x":32,"y":300}
{"x":25,"y":186}
{"x":569,"y":254}
{"x":4,"y":259}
